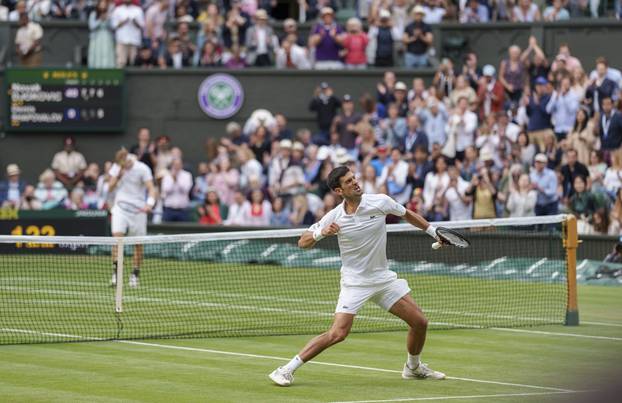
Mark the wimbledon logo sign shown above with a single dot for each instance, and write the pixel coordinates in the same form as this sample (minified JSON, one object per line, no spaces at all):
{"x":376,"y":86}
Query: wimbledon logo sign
{"x":220,"y":96}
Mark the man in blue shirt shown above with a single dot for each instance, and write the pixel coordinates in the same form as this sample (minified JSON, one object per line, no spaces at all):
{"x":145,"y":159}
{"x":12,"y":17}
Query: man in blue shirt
{"x":539,"y":124}
{"x":563,"y":107}
{"x":544,"y":180}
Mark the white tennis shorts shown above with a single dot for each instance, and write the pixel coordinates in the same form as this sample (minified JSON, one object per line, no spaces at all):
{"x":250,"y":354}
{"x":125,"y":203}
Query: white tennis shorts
{"x":385,"y":295}
{"x":128,"y":224}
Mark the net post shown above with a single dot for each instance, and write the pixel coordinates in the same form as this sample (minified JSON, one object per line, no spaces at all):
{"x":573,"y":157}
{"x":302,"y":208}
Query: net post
{"x":119,"y":291}
{"x":571,"y":242}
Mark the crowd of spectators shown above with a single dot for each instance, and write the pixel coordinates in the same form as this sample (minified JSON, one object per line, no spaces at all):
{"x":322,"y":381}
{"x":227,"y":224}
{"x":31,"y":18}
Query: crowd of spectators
{"x":536,"y":135}
{"x":239,"y":33}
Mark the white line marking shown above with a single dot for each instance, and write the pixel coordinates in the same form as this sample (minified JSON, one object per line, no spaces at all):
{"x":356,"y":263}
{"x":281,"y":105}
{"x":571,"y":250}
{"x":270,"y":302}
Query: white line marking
{"x":419,"y":399}
{"x":270,"y":357}
{"x":601,"y":323}
{"x":583,"y":336}
{"x":173,"y":347}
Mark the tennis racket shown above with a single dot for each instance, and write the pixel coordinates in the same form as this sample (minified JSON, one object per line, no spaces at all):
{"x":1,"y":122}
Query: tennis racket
{"x":129,"y":207}
{"x":450,"y":237}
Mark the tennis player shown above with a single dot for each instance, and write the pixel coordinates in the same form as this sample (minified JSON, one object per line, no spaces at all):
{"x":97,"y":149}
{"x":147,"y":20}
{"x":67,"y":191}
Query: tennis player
{"x":359,"y":223}
{"x":135,"y":197}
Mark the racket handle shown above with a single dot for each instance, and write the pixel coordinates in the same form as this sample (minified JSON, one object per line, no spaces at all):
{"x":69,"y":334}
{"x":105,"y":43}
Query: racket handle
{"x":436,"y":245}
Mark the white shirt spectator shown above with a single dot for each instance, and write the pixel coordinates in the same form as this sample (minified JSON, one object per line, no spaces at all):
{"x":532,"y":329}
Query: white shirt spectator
{"x":458,"y":210}
{"x":68,"y":163}
{"x":176,"y":189}
{"x":396,"y":181}
{"x":38,"y":9}
{"x":297,"y":56}
{"x":128,"y":33}
{"x":27,"y":35}
{"x":251,"y":168}
{"x":613,"y":179}
{"x":433,"y":15}
{"x":434,"y":184}
{"x":522,"y":204}
{"x":261,"y":216}
{"x":4,"y":13}
{"x":463,"y":127}
{"x":238,"y":214}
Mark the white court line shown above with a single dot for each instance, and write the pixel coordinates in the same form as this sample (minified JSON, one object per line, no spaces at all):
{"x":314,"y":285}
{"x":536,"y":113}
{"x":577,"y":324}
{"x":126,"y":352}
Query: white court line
{"x":270,"y":357}
{"x":583,"y":336}
{"x":419,"y":399}
{"x":332,"y":364}
{"x":586,"y":322}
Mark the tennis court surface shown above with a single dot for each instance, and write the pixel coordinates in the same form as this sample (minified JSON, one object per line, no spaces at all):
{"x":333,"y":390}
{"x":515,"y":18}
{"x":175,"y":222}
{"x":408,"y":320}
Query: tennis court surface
{"x":213,"y":317}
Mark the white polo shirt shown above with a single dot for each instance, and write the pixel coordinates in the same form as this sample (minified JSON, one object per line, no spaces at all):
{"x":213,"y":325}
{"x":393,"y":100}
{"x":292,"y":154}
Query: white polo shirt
{"x":132,"y":189}
{"x":363,"y":239}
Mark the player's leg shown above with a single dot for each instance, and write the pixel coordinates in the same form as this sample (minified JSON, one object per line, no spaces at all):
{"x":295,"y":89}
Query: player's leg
{"x":396,"y":299}
{"x":351,"y":299}
{"x":338,"y":332}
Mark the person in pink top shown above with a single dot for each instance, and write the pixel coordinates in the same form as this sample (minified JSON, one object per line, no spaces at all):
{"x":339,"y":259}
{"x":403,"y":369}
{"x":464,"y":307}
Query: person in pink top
{"x":354,"y":43}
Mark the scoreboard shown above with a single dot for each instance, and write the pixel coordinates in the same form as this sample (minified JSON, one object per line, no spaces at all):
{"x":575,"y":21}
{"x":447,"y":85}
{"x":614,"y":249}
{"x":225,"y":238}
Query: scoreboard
{"x":64,"y":100}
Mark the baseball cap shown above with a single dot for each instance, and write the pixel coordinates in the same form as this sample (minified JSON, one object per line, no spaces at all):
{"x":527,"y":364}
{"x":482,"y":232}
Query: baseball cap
{"x":324,"y":85}
{"x":326,"y":10}
{"x":541,"y":81}
{"x":12,"y":169}
{"x":382,"y":148}
{"x":347,"y":98}
{"x":489,"y":70}
{"x":541,"y":158}
{"x":384,"y":14}
{"x":400,"y":86}
{"x":418,"y":10}
{"x":298,"y":146}
{"x":285,"y":143}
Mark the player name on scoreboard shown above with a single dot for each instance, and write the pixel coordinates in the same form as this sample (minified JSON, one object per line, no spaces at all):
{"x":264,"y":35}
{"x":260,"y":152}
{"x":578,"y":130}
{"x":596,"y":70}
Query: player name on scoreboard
{"x":65,"y":100}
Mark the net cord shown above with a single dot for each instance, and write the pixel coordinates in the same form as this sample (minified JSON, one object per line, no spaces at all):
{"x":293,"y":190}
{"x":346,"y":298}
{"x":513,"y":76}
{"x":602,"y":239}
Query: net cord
{"x":268,"y":234}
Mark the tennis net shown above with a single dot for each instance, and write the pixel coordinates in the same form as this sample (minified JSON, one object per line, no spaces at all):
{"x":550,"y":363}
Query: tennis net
{"x":57,"y":289}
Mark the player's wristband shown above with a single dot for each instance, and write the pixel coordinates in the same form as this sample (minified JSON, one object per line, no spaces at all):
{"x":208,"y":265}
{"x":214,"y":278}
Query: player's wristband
{"x":317,"y":235}
{"x":151,"y":202}
{"x":431,"y":230}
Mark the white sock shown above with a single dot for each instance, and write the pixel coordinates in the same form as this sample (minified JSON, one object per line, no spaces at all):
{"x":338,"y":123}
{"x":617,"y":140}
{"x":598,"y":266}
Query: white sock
{"x":412,"y":361}
{"x":294,"y":364}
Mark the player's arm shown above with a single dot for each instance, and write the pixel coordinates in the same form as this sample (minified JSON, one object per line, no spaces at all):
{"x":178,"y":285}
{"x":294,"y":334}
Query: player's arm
{"x":115,"y":174}
{"x":310,"y":238}
{"x":418,"y":221}
{"x":152,"y":195}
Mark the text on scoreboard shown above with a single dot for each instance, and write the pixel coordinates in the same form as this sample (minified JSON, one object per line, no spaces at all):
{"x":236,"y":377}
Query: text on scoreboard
{"x":52,"y":100}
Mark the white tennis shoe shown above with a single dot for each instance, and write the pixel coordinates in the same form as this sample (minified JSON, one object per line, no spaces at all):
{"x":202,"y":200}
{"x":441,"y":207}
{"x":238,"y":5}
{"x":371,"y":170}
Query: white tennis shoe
{"x":421,"y":372}
{"x":133,"y":281}
{"x":282,"y":377}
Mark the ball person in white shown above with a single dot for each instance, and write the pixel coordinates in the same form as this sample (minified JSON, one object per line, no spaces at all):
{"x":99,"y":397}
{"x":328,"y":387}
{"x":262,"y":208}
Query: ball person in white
{"x":135,"y":197}
{"x":359,"y":224}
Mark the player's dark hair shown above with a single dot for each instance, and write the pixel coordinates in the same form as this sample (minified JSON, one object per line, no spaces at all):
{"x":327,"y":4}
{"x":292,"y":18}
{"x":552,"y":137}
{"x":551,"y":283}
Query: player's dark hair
{"x":334,"y":177}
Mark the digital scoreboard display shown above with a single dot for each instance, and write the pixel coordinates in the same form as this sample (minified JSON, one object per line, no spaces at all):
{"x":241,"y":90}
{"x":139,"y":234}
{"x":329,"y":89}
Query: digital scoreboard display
{"x":65,"y":100}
